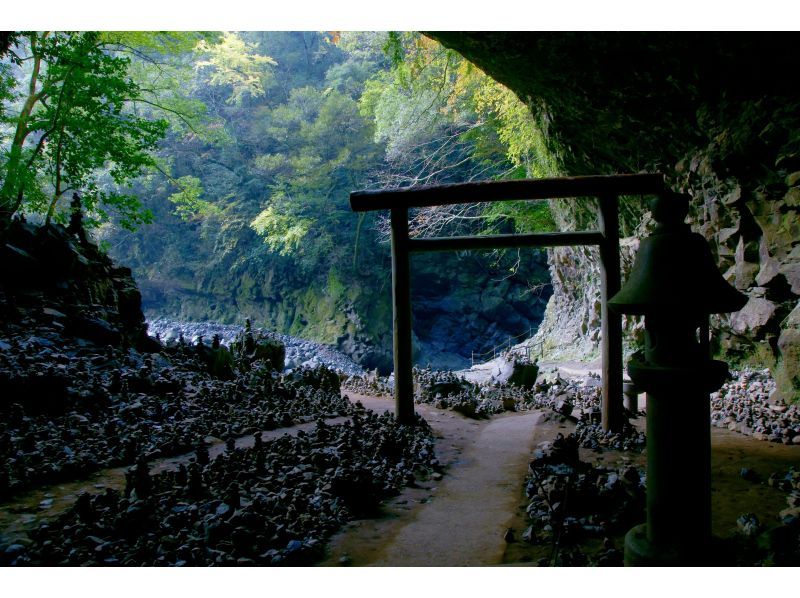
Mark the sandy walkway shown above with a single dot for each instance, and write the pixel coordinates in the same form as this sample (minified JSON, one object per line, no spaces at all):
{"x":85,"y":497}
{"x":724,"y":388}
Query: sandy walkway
{"x":461,"y":520}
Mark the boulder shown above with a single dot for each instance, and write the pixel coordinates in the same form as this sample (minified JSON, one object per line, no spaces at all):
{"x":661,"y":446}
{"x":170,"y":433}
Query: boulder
{"x":95,"y":329}
{"x":787,"y":373}
{"x":756,"y":313}
{"x":19,"y":267}
{"x":524,"y":374}
{"x":790,"y":268}
{"x":250,"y":346}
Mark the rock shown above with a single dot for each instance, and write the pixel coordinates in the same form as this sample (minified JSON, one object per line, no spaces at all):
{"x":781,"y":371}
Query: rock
{"x":14,"y":550}
{"x":524,"y":374}
{"x":563,"y":405}
{"x":756,"y":313}
{"x":787,"y":373}
{"x":748,"y":525}
{"x":96,"y":330}
{"x":746,"y":264}
{"x":748,"y":474}
{"x":793,"y":179}
{"x":19,"y":267}
{"x":792,"y":197}
{"x":54,"y":313}
{"x":790,"y":269}
{"x":529,"y":535}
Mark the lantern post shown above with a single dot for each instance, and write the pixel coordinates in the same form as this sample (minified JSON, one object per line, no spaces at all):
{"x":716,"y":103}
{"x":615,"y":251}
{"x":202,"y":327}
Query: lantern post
{"x":675,"y":285}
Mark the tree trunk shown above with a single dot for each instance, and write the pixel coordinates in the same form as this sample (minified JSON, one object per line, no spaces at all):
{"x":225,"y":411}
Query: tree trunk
{"x":58,"y":191}
{"x":12,"y":186}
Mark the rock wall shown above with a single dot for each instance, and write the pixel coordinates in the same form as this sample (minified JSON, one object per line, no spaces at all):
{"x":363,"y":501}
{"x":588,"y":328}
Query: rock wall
{"x":752,"y":225}
{"x":53,"y":275}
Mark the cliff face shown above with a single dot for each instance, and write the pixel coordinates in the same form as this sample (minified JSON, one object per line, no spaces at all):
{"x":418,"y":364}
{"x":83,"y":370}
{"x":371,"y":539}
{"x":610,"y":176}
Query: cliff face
{"x":460,"y":304}
{"x":705,"y":110}
{"x":55,"y":278}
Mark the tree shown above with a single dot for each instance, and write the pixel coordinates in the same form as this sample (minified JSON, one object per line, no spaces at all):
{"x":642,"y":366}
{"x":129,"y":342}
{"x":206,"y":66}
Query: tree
{"x":90,"y":111}
{"x":324,"y":152}
{"x":73,"y":122}
{"x":234,"y":63}
{"x":443,"y":120}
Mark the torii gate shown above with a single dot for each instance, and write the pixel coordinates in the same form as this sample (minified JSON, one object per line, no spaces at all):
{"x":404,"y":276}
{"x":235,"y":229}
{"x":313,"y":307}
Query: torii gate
{"x":607,"y":189}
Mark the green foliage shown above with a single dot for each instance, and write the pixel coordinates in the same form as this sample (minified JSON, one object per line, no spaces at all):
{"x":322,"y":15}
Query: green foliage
{"x":88,"y":110}
{"x":323,"y":148}
{"x":188,"y":203}
{"x":443,"y":120}
{"x":76,"y":107}
{"x":233,"y":63}
{"x":263,"y":221}
{"x":282,"y":232}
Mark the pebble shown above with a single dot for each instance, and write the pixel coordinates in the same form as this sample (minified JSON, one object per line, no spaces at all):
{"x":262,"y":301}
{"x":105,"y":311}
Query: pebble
{"x":572,"y":501}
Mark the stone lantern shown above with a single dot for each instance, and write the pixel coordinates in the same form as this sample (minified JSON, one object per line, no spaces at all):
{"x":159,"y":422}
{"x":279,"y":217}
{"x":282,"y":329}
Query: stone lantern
{"x":675,"y":285}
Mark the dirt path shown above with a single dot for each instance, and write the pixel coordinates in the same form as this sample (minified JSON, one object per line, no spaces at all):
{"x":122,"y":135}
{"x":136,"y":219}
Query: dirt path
{"x":460,"y":520}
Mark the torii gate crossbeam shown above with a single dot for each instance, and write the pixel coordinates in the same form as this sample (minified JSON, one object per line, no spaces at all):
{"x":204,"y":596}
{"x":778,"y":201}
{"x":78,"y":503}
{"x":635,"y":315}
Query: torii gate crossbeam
{"x":607,"y":189}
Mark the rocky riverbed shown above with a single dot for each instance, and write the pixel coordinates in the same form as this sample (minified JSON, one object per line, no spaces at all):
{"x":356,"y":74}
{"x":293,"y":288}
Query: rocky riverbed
{"x":299,"y":352}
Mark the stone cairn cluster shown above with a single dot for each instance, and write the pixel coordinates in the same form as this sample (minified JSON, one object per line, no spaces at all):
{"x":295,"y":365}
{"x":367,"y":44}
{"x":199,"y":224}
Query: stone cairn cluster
{"x":272,"y":504}
{"x":571,"y":398}
{"x":575,"y":508}
{"x":743,"y":405}
{"x":71,"y":408}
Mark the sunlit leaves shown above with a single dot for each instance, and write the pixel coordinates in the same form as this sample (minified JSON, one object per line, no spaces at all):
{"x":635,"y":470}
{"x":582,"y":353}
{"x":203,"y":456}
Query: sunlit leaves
{"x":282,"y":232}
{"x":444,"y":120}
{"x":188,"y":203}
{"x":522,"y":134}
{"x":160,"y":43}
{"x":235,"y":64}
{"x":76,"y":124}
